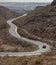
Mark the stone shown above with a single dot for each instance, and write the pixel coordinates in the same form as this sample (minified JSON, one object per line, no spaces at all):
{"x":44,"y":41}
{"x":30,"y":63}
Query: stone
{"x":54,"y":2}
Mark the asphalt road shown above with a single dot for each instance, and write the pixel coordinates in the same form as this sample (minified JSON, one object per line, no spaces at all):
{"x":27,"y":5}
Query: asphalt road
{"x":13,"y":32}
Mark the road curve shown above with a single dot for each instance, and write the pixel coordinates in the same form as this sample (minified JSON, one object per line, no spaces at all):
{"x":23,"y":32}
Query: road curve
{"x":13,"y":32}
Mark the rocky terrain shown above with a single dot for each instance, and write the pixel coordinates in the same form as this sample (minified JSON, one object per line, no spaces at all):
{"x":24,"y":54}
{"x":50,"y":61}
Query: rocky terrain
{"x":54,"y":2}
{"x":39,"y":25}
{"x":45,"y":59}
{"x":5,"y":14}
{"x":8,"y":42}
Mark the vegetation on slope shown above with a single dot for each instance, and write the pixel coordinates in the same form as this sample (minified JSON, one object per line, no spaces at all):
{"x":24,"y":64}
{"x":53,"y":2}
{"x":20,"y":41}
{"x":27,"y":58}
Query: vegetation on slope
{"x":7,"y":41}
{"x":45,"y":59}
{"x":39,"y":24}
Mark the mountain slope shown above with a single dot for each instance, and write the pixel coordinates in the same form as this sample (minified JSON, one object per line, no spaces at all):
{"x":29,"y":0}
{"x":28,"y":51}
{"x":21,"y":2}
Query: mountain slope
{"x":7,"y":41}
{"x":39,"y":24}
{"x":6,"y":14}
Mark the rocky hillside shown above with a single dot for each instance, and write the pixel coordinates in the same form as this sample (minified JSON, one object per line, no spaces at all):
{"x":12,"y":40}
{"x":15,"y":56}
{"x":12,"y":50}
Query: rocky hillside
{"x":7,"y":41}
{"x":39,"y":24}
{"x":5,"y":14}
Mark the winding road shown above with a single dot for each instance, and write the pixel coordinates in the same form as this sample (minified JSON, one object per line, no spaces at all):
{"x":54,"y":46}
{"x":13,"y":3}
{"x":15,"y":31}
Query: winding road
{"x":13,"y":32}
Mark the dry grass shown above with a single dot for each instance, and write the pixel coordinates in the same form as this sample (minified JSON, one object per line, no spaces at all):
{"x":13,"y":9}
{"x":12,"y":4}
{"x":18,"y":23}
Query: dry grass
{"x":7,"y":41}
{"x":45,"y":59}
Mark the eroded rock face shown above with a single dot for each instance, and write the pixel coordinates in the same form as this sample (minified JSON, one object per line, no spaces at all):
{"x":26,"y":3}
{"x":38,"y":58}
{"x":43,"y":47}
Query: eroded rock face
{"x":54,"y":2}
